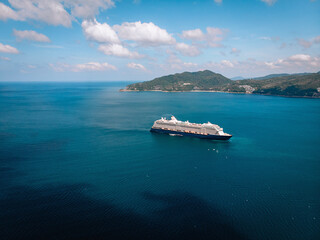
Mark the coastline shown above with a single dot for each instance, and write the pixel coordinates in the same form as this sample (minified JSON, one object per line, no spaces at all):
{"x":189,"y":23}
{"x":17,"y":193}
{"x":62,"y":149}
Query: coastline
{"x":199,"y":91}
{"x":126,"y":90}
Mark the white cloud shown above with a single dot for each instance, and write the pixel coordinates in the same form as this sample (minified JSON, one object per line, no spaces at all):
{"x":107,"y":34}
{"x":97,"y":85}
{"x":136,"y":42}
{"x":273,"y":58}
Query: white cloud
{"x":195,"y":34}
{"x":145,"y":33}
{"x":90,"y":66}
{"x":187,"y":50}
{"x":87,"y":9}
{"x":53,"y":12}
{"x":94,"y":66}
{"x":218,"y":1}
{"x":8,"y":49}
{"x":98,"y":32}
{"x":7,"y":13}
{"x":31,"y":66}
{"x":300,"y":57}
{"x":5,"y":58}
{"x":213,"y":36}
{"x":137,"y":66}
{"x":227,"y":63}
{"x":220,"y":65}
{"x":118,"y":51}
{"x":103,"y":33}
{"x":189,"y":64}
{"x":298,"y":61}
{"x":30,"y":35}
{"x":307,"y":44}
{"x":269,"y":2}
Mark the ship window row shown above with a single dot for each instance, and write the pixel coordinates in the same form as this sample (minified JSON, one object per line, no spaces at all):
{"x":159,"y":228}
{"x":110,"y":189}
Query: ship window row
{"x":196,"y":131}
{"x":181,"y":126}
{"x":186,"y":128}
{"x":189,"y":126}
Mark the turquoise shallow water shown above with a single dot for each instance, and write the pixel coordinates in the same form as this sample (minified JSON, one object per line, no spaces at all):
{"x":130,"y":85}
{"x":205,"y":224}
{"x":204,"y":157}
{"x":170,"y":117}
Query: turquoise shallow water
{"x":77,"y":161}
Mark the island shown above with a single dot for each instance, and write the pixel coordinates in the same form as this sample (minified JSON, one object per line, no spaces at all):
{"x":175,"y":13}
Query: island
{"x":290,"y":85}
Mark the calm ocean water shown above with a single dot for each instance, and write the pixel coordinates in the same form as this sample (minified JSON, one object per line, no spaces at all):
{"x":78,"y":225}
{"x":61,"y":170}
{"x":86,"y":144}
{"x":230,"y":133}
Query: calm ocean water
{"x":77,"y":161}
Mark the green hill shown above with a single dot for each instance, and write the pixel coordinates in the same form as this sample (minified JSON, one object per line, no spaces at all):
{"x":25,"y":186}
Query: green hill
{"x":295,"y":85}
{"x":187,"y":81}
{"x":271,"y":76}
{"x":277,"y":75}
{"x":290,"y":85}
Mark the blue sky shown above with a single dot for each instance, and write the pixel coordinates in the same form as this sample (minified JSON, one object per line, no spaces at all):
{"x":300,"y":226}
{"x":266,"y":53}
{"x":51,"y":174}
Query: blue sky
{"x":135,"y":40}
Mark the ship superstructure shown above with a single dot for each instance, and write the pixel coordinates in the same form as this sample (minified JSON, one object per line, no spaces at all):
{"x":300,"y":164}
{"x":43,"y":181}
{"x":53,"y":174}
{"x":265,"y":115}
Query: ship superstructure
{"x":204,"y":130}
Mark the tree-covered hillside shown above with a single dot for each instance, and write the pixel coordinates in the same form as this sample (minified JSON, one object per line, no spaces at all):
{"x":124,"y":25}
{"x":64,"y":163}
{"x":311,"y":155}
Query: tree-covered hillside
{"x":186,"y":81}
{"x":291,"y":85}
{"x":299,"y":85}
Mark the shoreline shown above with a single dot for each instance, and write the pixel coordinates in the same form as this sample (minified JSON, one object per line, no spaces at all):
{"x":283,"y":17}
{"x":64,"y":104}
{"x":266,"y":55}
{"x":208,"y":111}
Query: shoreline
{"x":126,"y":90}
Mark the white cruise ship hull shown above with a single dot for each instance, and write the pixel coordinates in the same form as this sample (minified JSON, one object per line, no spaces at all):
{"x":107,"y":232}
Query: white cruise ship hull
{"x":189,"y":134}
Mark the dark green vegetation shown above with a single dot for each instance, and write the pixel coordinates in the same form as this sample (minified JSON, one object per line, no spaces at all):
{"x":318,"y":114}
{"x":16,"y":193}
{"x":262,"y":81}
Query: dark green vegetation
{"x":270,"y":76}
{"x":295,"y":85}
{"x":276,"y":75}
{"x":186,"y":81}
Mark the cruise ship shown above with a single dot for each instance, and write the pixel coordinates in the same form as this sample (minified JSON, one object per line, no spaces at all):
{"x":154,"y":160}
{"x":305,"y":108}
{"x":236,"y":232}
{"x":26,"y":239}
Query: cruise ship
{"x":180,"y":128}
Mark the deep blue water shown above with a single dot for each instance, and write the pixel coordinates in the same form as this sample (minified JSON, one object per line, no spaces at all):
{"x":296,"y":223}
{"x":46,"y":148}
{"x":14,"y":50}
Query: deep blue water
{"x":77,"y":161}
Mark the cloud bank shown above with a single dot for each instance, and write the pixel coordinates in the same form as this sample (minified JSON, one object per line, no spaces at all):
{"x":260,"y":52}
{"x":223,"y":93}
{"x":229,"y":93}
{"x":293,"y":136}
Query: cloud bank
{"x":144,"y":33}
{"x":30,"y":35}
{"x":118,"y":51}
{"x":137,"y":66}
{"x":99,"y":32}
{"x":53,"y":12}
{"x":213,"y":36}
{"x":8,"y":49}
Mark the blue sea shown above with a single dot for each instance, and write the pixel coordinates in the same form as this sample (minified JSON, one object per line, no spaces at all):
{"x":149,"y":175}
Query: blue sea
{"x":77,"y":161}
